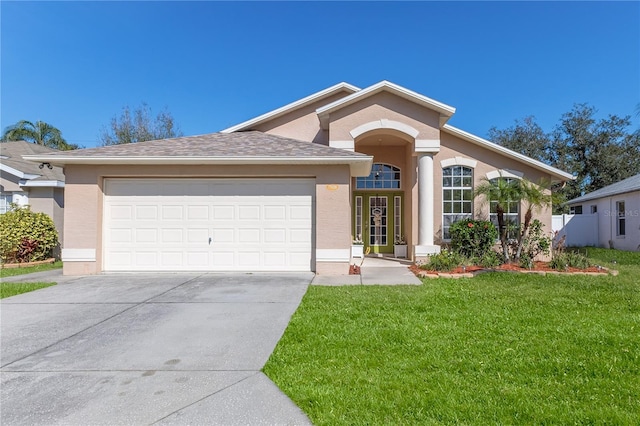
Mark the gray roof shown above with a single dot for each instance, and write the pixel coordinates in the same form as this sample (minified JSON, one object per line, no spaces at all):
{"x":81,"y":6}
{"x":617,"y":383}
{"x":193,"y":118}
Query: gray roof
{"x":16,"y":149}
{"x":628,"y":185}
{"x":251,"y":144}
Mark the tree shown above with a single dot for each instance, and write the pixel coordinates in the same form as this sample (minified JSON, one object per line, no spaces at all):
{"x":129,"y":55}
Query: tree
{"x":40,"y":133}
{"x":138,"y":126}
{"x":597,"y":152}
{"x":501,"y":191}
{"x":526,"y":137}
{"x":535,"y":197}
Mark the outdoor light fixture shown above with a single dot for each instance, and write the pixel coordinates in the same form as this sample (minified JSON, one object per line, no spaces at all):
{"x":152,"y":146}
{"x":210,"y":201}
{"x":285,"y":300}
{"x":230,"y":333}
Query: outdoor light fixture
{"x":49,"y":166}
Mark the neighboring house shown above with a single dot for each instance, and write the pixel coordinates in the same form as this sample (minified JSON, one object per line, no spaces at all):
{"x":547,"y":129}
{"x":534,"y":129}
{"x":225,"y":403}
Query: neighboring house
{"x":287,"y":190}
{"x":25,"y":183}
{"x":615,"y":211}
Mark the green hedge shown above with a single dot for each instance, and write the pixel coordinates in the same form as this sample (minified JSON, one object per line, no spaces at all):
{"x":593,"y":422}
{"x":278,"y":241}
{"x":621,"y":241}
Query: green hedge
{"x":26,"y":236}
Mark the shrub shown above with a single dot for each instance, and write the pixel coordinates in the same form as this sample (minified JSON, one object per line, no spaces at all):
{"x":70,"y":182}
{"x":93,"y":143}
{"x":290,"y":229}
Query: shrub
{"x":562,"y":261}
{"x":490,"y":259}
{"x":473,"y":238}
{"x":26,"y":236}
{"x":444,"y":261}
{"x":536,"y":242}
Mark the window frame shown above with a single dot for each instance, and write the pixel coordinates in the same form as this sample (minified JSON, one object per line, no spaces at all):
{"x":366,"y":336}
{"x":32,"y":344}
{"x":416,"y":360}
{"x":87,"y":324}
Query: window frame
{"x":621,"y":221}
{"x":450,"y":217}
{"x":383,"y":176}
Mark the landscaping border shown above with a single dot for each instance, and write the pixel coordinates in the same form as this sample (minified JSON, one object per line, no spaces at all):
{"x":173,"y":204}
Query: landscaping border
{"x":433,"y":274}
{"x":27,"y":264}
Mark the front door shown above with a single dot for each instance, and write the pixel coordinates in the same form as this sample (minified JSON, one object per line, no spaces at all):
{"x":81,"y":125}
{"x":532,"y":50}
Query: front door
{"x":378,"y":220}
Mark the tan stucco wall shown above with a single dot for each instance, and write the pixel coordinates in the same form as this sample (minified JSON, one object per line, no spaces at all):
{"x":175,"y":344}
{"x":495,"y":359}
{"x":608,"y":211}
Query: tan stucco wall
{"x":50,"y":201}
{"x":383,"y":105}
{"x":301,"y":124}
{"x":84,"y":201}
{"x":9,"y":182}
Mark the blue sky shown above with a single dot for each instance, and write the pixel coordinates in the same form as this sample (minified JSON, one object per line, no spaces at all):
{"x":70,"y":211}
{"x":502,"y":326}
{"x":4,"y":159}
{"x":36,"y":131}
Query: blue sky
{"x":215,"y":64}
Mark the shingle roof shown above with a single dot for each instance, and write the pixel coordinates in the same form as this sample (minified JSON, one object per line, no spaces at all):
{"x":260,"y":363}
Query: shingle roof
{"x":215,"y":148}
{"x":628,"y":185}
{"x":16,"y":149}
{"x":240,"y":144}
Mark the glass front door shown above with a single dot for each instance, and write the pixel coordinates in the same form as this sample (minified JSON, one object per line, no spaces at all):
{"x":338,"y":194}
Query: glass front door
{"x":377,"y":220}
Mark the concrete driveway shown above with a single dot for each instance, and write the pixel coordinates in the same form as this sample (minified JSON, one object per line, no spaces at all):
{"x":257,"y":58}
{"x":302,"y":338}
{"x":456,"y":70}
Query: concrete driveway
{"x":147,"y":349}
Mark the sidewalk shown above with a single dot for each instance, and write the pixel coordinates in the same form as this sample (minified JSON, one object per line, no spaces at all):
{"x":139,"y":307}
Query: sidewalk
{"x":374,"y":271}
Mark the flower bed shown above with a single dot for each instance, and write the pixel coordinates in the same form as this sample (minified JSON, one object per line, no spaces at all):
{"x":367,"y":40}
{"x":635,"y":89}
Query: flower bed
{"x":538,"y":268}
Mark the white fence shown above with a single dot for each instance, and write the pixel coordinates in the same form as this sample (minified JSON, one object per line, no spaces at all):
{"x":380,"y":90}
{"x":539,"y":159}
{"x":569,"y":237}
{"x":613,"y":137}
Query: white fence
{"x":580,"y":229}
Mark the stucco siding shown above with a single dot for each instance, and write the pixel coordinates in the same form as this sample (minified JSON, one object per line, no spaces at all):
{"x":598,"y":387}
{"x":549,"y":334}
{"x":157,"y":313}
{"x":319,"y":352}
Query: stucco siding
{"x":9,"y":182}
{"x":383,"y":106}
{"x":302,"y":123}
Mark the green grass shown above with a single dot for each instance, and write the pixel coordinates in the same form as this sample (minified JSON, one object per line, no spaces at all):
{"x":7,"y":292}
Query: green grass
{"x":495,"y":349}
{"x":12,"y":289}
{"x":10,"y":272}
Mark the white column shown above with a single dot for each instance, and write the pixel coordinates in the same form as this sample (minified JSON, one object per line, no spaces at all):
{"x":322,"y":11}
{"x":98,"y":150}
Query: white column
{"x":425,"y":206}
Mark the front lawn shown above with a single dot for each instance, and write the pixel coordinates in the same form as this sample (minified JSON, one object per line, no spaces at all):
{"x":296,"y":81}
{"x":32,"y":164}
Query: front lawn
{"x":495,"y":349}
{"x":12,"y":289}
{"x":10,"y":272}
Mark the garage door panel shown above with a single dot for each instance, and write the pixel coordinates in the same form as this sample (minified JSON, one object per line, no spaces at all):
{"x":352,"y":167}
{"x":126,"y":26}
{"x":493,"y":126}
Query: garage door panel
{"x":172,"y":236}
{"x":249,"y":236}
{"x":253,"y":224}
{"x":172,"y":212}
{"x":145,"y":258}
{"x":275,"y":235}
{"x":223,"y":236}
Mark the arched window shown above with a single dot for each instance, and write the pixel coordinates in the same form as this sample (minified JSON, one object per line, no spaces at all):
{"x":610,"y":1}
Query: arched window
{"x":457,"y":196}
{"x":383,"y":176}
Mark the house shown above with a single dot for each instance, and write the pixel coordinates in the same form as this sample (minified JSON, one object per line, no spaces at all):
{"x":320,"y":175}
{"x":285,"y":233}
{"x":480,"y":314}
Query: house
{"x":26,"y":183}
{"x":288,"y":190}
{"x":614,"y":215}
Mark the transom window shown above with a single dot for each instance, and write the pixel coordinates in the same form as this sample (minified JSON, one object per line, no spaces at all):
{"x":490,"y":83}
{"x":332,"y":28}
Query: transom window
{"x":383,"y":176}
{"x":457,"y":196}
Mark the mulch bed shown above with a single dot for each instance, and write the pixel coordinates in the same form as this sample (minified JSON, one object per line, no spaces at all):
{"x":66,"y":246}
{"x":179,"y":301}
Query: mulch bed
{"x":27,"y":264}
{"x":541,"y":268}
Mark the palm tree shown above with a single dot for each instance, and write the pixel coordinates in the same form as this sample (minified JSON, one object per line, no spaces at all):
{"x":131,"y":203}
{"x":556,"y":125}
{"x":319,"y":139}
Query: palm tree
{"x":40,"y":133}
{"x":501,"y":191}
{"x":536,"y":198}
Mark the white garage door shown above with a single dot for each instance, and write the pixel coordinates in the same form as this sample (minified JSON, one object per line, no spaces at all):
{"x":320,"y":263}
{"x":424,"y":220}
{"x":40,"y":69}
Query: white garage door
{"x":208,"y":224}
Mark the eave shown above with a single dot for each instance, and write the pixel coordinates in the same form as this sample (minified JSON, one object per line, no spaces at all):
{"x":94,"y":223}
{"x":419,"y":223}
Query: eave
{"x":359,"y":166}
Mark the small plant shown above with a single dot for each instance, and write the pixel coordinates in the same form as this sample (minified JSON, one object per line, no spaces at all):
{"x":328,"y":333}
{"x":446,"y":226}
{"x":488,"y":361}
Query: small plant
{"x":400,"y":240}
{"x":490,"y":259}
{"x":526,"y":261}
{"x":536,"y":242}
{"x":473,"y":238}
{"x":357,"y":241}
{"x":565,"y":260}
{"x":445,"y":261}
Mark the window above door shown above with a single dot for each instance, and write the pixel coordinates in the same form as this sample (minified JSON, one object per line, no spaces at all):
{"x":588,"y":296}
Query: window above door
{"x":382,"y":176}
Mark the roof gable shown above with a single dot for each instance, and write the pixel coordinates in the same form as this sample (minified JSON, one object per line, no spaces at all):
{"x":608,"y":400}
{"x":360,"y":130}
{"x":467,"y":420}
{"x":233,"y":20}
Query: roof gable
{"x":630,"y":184}
{"x":561,"y":175}
{"x":337,"y":88}
{"x":444,"y":110}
